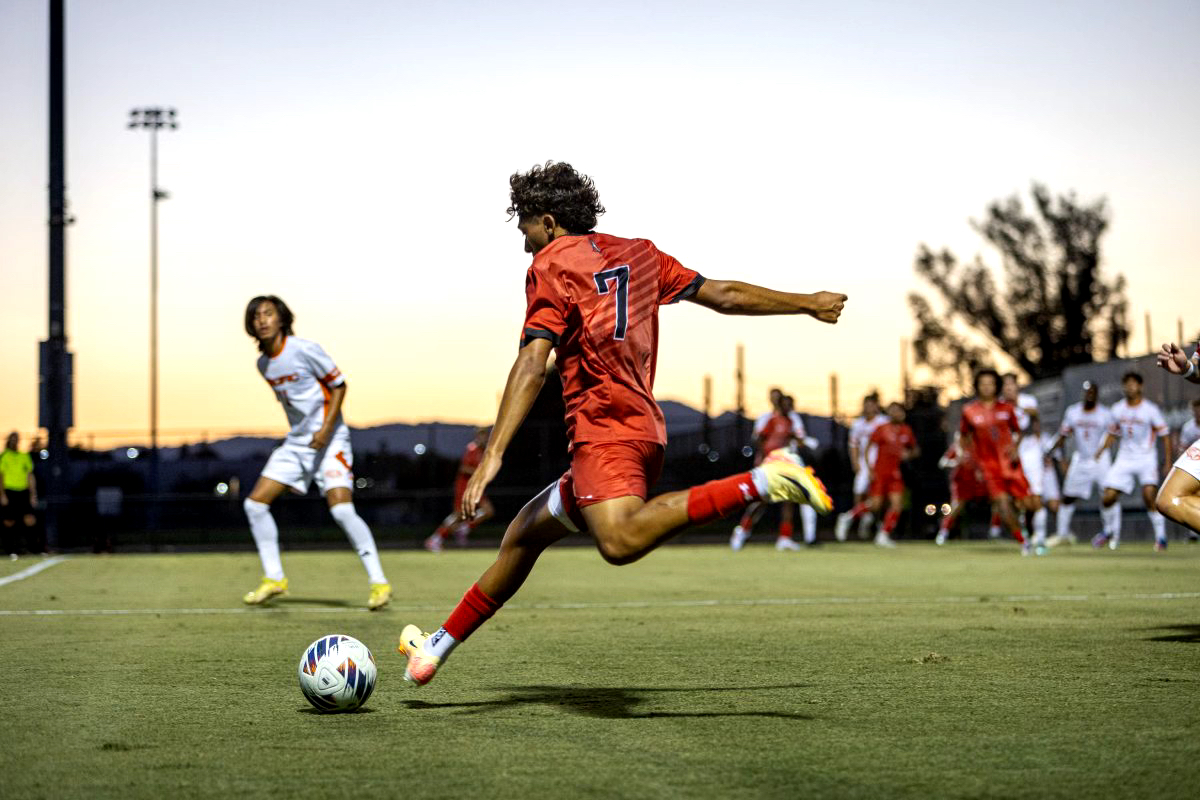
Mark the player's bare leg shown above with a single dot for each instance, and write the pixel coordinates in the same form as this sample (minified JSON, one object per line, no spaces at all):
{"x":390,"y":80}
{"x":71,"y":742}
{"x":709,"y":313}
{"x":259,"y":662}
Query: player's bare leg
{"x":1110,"y":520}
{"x":784,"y":540}
{"x":1179,"y":499}
{"x":948,"y":522}
{"x":266,"y":539}
{"x":1007,"y":511}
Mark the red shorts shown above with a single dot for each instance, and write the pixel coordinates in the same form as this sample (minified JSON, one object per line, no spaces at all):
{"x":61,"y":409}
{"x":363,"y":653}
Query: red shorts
{"x":885,"y":483}
{"x":1004,"y":479}
{"x":967,"y":485}
{"x":604,"y":471}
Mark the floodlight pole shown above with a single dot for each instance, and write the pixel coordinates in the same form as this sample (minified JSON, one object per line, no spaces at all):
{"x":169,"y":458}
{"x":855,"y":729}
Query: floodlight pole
{"x":152,"y":119}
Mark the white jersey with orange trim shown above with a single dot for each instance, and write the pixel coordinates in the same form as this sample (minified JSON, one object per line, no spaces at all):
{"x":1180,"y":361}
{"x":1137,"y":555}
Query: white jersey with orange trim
{"x":1139,"y":427}
{"x":1086,"y":427}
{"x":301,"y":375}
{"x":860,"y":436}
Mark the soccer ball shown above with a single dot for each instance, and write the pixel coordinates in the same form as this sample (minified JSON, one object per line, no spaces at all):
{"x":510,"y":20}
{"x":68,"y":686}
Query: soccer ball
{"x":337,"y":673}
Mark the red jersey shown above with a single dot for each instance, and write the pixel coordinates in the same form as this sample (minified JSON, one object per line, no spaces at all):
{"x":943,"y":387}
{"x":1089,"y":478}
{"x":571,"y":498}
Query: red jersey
{"x":991,"y":429}
{"x":778,"y":432}
{"x":596,"y":298}
{"x":891,"y":440}
{"x":470,"y":460}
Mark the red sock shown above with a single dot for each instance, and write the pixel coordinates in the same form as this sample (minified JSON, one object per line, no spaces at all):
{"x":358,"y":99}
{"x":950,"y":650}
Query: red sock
{"x":746,"y":523}
{"x":442,"y":531}
{"x":472,"y":611}
{"x":995,"y":521}
{"x":945,"y":523}
{"x":890,"y":520}
{"x":720,"y":498}
{"x":858,"y":510}
{"x":785,"y":529}
{"x":1016,"y":532}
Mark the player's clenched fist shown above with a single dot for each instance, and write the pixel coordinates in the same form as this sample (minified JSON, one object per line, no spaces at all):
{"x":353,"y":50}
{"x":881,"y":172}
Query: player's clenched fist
{"x":827,"y":306}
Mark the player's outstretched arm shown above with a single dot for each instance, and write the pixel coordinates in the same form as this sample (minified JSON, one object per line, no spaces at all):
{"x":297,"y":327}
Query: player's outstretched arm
{"x":525,"y":380}
{"x":736,"y":297}
{"x":1172,"y":358}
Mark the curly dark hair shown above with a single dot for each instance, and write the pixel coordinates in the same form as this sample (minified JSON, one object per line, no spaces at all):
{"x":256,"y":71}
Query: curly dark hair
{"x":987,"y":371}
{"x":286,"y":317}
{"x":555,"y":188}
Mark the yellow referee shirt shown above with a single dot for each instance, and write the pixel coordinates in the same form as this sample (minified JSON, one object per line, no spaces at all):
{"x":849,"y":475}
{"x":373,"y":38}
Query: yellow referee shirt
{"x":15,"y":468}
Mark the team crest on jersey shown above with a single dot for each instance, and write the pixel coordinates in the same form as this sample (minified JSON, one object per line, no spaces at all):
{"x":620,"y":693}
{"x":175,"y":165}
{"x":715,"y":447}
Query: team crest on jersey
{"x":1193,"y":453}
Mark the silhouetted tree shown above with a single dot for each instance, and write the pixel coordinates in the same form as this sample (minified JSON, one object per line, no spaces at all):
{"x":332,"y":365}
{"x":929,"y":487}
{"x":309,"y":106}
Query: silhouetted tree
{"x":1054,"y":308}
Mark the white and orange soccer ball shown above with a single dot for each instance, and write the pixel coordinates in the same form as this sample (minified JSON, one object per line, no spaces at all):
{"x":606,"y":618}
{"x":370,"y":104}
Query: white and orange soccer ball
{"x":337,"y":673}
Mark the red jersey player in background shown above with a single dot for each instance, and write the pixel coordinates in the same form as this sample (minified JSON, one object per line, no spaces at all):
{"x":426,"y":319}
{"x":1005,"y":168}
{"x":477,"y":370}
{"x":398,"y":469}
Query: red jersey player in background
{"x":894,"y":444}
{"x":593,"y":299}
{"x":779,"y":427}
{"x":990,"y":431}
{"x":461,"y":528}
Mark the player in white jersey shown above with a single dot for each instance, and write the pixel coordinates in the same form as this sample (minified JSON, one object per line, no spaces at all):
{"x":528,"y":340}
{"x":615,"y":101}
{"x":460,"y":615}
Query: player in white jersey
{"x":862,"y":456}
{"x":1051,"y":489}
{"x":1179,"y":497}
{"x":780,"y":427}
{"x":1138,"y":424}
{"x":311,"y":389}
{"x":1086,"y":423}
{"x":1189,"y":431}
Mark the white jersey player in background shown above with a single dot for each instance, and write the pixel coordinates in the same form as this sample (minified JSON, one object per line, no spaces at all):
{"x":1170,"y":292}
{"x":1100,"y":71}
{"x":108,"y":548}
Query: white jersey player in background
{"x":1138,"y":424}
{"x":1029,"y":452}
{"x":1086,"y":424}
{"x":862,"y":456}
{"x":1189,"y":431}
{"x":311,"y":389}
{"x":1179,"y":497}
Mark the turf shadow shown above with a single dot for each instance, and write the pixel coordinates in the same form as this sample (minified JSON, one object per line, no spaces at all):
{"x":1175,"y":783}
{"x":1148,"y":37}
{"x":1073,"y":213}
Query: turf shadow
{"x":310,"y":601}
{"x":606,"y":703}
{"x":1188,"y":634}
{"x":318,"y":713}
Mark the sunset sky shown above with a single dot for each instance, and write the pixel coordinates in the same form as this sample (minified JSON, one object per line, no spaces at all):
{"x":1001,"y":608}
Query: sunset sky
{"x":353,"y":158}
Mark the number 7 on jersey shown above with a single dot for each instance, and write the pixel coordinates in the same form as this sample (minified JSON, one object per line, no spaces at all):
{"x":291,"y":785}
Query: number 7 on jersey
{"x":619,"y":276}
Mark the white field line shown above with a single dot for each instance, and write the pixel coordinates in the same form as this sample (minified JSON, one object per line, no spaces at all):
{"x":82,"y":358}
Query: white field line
{"x":34,"y":570}
{"x":768,"y":601}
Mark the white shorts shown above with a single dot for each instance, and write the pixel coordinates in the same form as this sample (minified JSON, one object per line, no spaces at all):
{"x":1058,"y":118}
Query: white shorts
{"x":862,"y":481}
{"x":297,"y":465}
{"x":1084,"y":475}
{"x":1050,"y":488}
{"x":1125,"y":471}
{"x":1189,"y":462}
{"x":1033,"y":464}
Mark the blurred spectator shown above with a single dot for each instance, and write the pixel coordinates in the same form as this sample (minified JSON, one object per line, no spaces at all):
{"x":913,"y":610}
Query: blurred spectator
{"x":18,"y":497}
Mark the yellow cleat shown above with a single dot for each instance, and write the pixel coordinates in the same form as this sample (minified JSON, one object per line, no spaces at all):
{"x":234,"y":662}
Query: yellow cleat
{"x":789,"y":481}
{"x":381,"y":595}
{"x":421,"y":666}
{"x":265,"y":591}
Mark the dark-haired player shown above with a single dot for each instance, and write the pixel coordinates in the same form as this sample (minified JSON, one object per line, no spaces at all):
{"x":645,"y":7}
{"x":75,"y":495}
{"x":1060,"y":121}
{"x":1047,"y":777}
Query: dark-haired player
{"x":894,"y":443}
{"x":593,"y":298}
{"x":1138,"y":424}
{"x":311,"y":389}
{"x":461,"y":528}
{"x":989,"y":430}
{"x":780,"y":427}
{"x":1179,"y":497}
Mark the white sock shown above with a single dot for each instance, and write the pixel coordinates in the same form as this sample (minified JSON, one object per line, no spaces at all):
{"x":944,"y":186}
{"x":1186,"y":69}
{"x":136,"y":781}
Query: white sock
{"x":1039,"y":526}
{"x":760,"y":482}
{"x":1110,"y":519}
{"x":266,"y":537}
{"x":1159,"y":523}
{"x":360,"y":536}
{"x":1063,"y":523}
{"x":441,"y":644}
{"x":808,"y":521}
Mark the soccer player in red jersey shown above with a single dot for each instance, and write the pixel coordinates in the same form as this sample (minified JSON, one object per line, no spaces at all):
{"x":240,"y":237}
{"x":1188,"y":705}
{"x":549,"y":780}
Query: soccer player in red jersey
{"x":990,"y":431}
{"x":895,"y":443}
{"x":593,"y":299}
{"x":966,"y":485}
{"x":779,"y":427}
{"x":461,"y":528}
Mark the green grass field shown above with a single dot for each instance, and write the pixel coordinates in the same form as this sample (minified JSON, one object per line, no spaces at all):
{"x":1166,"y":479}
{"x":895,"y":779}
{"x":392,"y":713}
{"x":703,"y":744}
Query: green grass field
{"x":845,"y":671}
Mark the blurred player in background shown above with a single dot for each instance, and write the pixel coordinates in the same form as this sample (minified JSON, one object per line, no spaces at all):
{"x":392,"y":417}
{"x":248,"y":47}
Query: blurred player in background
{"x":862,"y":456}
{"x":311,"y":390}
{"x":966,"y":486}
{"x":1189,"y":431}
{"x":18,"y":496}
{"x":1031,"y":457}
{"x":593,"y":299}
{"x":990,"y":432}
{"x":1179,"y":497}
{"x":1086,"y":423}
{"x":1051,"y":455}
{"x":894,"y":443}
{"x":461,"y":528}
{"x":1138,"y":424}
{"x":779,"y":428}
